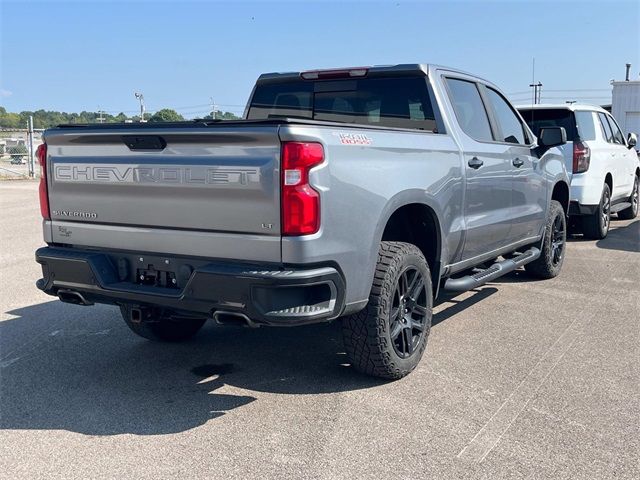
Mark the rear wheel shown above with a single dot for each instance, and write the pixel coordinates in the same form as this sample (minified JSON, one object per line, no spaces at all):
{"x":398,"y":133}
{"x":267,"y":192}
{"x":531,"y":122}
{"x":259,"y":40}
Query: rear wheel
{"x":388,"y":337}
{"x":596,"y":226}
{"x":549,"y":264}
{"x":162,"y":328}
{"x":632,"y":211}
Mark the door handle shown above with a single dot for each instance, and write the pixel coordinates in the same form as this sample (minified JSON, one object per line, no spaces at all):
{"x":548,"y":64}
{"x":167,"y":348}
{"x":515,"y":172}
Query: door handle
{"x":517,"y":162}
{"x":475,"y":163}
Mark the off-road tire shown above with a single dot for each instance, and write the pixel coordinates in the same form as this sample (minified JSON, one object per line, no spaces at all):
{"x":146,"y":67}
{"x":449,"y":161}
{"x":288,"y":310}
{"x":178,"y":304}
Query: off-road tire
{"x":631,"y":212}
{"x":163,"y":329}
{"x":596,"y":226}
{"x":549,"y":263}
{"x":367,"y":334}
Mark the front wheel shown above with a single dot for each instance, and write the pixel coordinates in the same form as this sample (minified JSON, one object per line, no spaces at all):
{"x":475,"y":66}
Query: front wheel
{"x":388,"y":337}
{"x":631,"y":212}
{"x":554,"y":244}
{"x":163,"y":328}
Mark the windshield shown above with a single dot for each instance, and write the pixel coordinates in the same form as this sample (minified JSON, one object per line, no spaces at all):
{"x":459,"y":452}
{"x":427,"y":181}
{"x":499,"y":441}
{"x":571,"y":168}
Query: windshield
{"x":401,"y":102}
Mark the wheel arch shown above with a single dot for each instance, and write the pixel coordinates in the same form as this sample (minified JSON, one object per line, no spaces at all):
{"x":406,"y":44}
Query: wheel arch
{"x":561,"y":194}
{"x":608,"y":179}
{"x":418,"y":223}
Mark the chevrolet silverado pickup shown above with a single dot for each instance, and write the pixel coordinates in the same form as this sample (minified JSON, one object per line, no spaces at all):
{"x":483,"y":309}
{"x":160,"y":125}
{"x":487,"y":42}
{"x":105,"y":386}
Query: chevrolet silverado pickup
{"x":355,"y":194}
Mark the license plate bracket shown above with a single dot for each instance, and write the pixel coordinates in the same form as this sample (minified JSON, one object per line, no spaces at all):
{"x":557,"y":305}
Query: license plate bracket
{"x":156,"y":278}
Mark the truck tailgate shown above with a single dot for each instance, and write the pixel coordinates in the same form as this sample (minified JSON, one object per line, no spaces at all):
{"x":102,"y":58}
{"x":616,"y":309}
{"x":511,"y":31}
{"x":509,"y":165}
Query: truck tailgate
{"x":192,"y":180}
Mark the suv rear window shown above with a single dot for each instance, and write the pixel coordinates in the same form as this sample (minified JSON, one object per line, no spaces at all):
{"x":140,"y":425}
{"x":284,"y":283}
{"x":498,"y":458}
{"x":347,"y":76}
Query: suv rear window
{"x":551,"y":117}
{"x":401,"y":102}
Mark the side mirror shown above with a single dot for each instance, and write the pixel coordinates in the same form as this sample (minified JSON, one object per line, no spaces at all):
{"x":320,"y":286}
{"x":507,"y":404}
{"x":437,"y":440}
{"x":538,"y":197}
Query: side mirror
{"x":632,"y":140}
{"x":552,"y":137}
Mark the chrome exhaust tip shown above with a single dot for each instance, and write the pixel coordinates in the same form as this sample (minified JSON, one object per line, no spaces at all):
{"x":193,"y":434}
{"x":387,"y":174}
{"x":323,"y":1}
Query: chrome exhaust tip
{"x":223,"y":317}
{"x":76,"y":298}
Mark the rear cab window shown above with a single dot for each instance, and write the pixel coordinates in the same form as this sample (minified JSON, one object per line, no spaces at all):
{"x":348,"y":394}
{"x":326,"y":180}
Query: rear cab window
{"x":399,"y":102}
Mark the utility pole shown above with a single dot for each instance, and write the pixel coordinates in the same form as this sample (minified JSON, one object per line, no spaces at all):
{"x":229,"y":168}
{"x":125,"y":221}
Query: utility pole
{"x":100,"y":112}
{"x":537,"y":91}
{"x":213,"y":108}
{"x":140,"y":98}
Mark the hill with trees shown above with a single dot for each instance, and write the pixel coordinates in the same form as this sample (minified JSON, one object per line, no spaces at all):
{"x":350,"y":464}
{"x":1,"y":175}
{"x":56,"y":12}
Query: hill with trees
{"x":48,"y":118}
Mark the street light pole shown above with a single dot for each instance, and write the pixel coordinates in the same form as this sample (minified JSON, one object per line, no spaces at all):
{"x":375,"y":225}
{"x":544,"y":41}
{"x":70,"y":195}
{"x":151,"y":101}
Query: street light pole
{"x":537,"y":91}
{"x":140,"y":98}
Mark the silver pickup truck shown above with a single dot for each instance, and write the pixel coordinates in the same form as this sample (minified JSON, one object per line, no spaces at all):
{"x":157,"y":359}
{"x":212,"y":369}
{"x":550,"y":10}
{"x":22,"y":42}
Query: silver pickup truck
{"x":356,"y":194}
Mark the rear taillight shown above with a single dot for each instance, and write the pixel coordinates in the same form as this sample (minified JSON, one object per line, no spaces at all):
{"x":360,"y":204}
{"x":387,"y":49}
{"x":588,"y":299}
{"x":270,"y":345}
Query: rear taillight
{"x":300,"y":202}
{"x":41,"y":153}
{"x":581,"y":157}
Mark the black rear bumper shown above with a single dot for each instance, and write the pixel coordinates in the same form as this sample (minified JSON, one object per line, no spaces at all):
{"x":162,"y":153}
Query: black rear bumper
{"x":266,"y":294}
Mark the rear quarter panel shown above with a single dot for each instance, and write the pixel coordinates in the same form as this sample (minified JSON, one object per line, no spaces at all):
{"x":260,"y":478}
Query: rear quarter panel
{"x":363,"y":183}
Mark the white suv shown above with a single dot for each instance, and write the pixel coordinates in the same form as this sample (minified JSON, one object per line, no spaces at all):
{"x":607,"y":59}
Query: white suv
{"x":603,"y":166}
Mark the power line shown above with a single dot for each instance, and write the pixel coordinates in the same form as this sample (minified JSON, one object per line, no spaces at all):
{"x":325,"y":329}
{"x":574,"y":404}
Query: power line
{"x":582,"y":90}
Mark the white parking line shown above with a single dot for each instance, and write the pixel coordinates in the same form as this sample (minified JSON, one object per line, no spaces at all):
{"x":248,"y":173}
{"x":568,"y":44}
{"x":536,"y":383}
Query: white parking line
{"x":491,"y":433}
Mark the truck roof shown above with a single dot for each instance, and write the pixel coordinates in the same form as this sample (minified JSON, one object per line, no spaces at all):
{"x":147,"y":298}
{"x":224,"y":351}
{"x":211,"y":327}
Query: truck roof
{"x":564,"y":106}
{"x":378,"y":70}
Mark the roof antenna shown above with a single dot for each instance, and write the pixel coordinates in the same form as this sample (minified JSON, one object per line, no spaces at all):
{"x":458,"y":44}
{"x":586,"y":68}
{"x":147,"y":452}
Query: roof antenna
{"x":626,"y":77}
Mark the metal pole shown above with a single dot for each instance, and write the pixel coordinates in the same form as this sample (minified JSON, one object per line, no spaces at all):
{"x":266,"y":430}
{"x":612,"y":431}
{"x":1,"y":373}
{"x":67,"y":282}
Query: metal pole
{"x":539,"y":92}
{"x":31,"y":152}
{"x":140,"y":97}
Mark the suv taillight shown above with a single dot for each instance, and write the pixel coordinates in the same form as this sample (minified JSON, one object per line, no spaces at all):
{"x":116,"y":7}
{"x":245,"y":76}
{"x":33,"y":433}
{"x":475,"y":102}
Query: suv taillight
{"x":300,"y":202}
{"x":41,"y":153}
{"x":581,"y":157}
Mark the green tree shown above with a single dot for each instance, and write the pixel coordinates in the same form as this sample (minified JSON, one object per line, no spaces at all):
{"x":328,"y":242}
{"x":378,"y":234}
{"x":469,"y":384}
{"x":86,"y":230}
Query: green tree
{"x":121,"y":117}
{"x":166,"y":115}
{"x":9,"y":120}
{"x":222,"y":116}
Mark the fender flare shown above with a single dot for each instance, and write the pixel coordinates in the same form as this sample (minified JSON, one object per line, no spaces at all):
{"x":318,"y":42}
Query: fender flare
{"x":402,"y":199}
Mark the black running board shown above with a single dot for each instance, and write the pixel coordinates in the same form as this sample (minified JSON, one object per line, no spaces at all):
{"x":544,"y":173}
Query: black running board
{"x":620,"y":206}
{"x":462,"y":284}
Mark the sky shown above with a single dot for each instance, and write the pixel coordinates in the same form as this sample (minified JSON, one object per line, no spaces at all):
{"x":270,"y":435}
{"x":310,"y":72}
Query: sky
{"x":91,"y":55}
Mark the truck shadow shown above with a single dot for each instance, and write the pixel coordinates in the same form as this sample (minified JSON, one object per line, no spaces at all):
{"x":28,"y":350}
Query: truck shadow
{"x":623,"y":235}
{"x":81,"y":370}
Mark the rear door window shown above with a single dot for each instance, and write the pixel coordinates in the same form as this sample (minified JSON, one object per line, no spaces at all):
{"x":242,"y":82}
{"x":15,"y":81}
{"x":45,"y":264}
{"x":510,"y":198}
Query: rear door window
{"x":512,"y":128}
{"x":470,"y":111}
{"x":606,"y":128}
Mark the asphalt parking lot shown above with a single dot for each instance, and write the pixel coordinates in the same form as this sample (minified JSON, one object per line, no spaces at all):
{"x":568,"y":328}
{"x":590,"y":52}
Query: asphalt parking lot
{"x":521,"y":379}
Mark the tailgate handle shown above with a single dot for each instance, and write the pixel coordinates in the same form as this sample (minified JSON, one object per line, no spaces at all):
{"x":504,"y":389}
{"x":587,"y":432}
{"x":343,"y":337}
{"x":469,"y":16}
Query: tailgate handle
{"x":144,"y":142}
